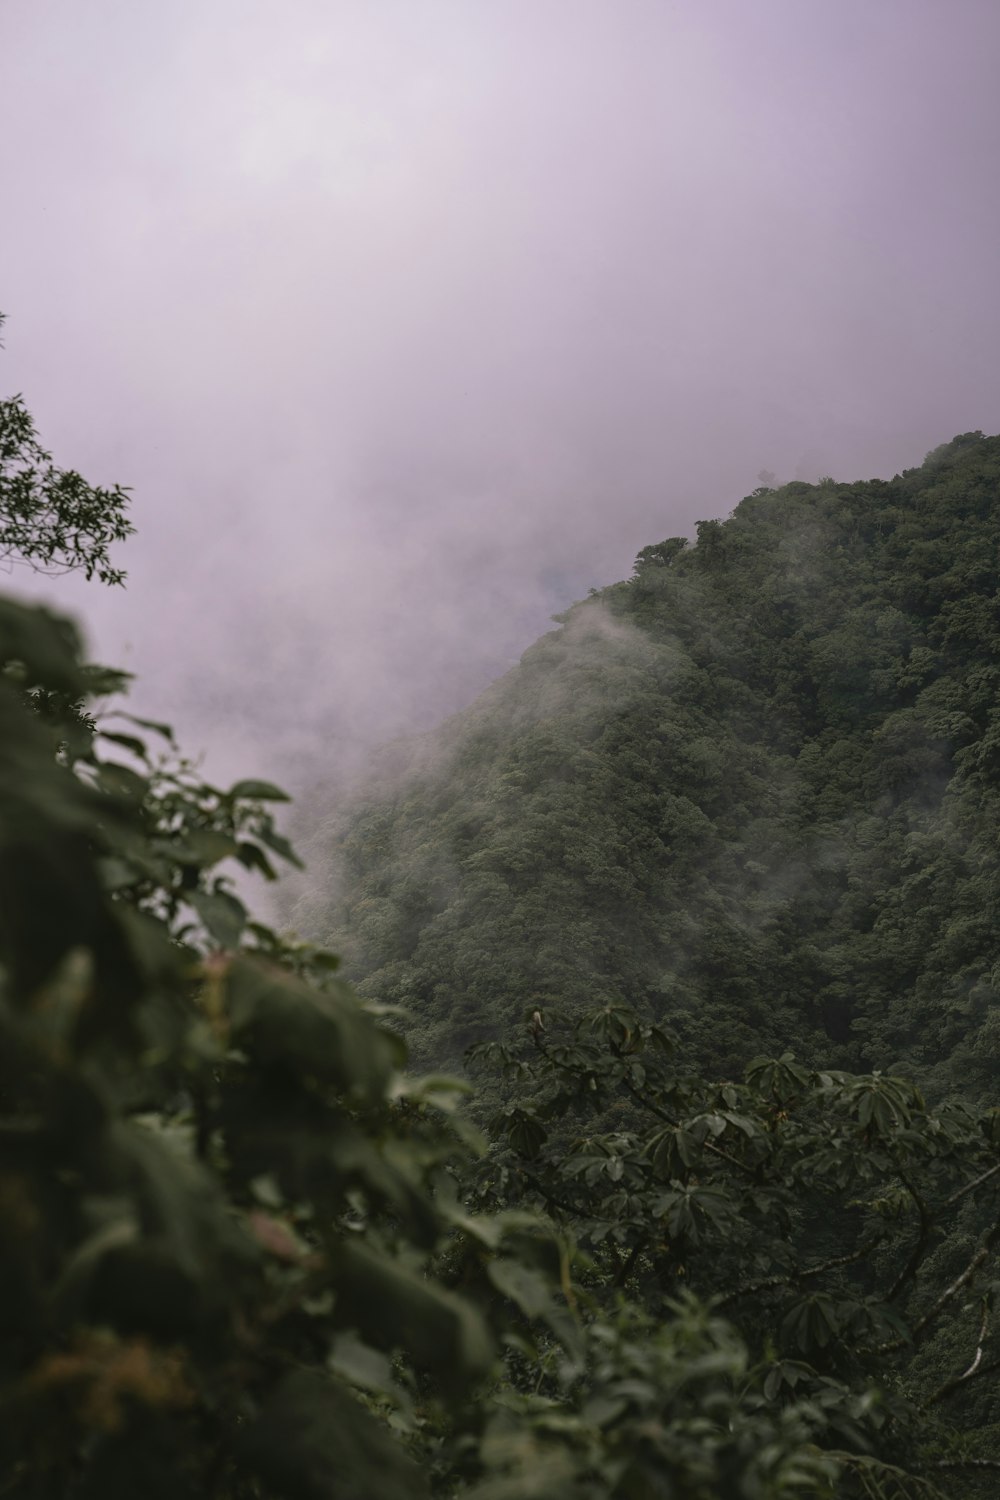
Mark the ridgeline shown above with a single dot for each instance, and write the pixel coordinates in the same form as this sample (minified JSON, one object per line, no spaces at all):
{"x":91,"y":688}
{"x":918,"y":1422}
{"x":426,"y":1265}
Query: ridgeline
{"x":751,"y":792}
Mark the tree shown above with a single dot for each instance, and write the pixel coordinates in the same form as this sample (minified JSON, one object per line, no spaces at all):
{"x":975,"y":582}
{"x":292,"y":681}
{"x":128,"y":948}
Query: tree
{"x":50,"y":518}
{"x":846,"y":1232}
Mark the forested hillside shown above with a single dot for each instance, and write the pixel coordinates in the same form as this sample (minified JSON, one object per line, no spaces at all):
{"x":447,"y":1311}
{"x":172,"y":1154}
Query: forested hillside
{"x":752,"y":792}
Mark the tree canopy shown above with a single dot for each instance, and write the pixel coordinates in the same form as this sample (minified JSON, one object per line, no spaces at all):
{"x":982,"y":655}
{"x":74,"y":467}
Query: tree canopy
{"x":749,"y":792}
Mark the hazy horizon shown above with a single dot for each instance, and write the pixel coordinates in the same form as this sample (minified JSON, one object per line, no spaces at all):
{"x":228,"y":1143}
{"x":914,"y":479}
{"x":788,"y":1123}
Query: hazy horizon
{"x":409,"y":323}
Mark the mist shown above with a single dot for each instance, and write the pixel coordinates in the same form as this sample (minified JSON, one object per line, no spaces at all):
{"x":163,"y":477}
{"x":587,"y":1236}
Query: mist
{"x":408,"y":323}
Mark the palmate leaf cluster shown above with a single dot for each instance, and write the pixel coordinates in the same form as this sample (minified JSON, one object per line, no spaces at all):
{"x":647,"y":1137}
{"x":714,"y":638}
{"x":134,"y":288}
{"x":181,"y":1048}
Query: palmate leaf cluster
{"x":848,"y":1231}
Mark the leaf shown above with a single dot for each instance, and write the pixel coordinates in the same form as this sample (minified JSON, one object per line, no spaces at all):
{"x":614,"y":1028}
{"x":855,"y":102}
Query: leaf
{"x":280,"y":845}
{"x":185,"y":1268}
{"x":397,"y":1308}
{"x":122,"y":781}
{"x":362,"y":1365}
{"x":601,"y":1411}
{"x":256,"y":791}
{"x":526,"y":1134}
{"x":316,"y":1034}
{"x":311,"y":1440}
{"x":127,"y":741}
{"x":252,"y":857}
{"x":46,"y":644}
{"x":277,"y":1237}
{"x":116,"y":874}
{"x":438,"y":1090}
{"x":69,"y":1293}
{"x":164,"y":730}
{"x":522,"y":1284}
{"x":223,"y":916}
{"x":200,"y":847}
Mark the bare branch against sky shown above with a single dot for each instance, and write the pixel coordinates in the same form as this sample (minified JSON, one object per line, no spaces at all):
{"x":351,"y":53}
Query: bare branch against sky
{"x":409,"y":320}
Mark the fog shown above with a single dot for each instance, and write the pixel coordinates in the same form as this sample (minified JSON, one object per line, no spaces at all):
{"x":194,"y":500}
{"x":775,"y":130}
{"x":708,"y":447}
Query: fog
{"x":408,"y":321}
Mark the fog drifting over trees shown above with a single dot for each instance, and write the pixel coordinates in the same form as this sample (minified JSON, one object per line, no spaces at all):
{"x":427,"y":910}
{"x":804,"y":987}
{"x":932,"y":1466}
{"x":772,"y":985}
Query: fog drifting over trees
{"x":409,"y":324}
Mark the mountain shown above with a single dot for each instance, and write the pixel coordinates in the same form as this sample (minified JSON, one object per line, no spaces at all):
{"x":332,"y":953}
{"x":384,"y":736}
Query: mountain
{"x":752,"y":791}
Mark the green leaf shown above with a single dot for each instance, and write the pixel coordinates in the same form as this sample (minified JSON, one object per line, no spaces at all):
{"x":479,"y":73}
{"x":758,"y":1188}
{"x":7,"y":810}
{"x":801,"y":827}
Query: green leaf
{"x":311,"y":1440}
{"x":280,"y":845}
{"x":127,"y":741}
{"x":200,"y":847}
{"x":438,"y":1090}
{"x":398,"y":1308}
{"x":252,"y":857}
{"x":315,"y":1034}
{"x":223,"y":916}
{"x":522,"y":1284}
{"x":163,"y":730}
{"x":256,"y":791}
{"x":363,"y":1366}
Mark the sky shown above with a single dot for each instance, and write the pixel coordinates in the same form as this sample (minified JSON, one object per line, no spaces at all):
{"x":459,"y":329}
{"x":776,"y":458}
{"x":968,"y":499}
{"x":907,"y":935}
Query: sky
{"x":409,"y":321}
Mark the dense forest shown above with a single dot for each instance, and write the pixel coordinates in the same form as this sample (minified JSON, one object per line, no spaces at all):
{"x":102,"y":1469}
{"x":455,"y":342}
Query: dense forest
{"x":751,"y":792}
{"x":689,"y":882}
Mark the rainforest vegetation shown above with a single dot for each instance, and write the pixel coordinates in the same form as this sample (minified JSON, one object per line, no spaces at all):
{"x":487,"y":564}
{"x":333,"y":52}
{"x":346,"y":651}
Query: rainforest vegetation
{"x":751,"y":793}
{"x":709,"y":887}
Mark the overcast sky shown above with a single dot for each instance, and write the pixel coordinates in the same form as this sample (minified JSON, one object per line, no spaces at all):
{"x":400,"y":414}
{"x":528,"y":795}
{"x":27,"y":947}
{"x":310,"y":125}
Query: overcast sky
{"x":408,"y":321}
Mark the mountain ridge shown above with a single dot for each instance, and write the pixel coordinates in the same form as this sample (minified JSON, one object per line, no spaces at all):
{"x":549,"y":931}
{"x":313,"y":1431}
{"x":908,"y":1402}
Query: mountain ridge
{"x":751,"y":791}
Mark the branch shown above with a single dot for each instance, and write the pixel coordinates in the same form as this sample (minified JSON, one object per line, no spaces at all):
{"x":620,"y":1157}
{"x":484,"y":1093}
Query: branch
{"x":967,"y":1463}
{"x":970,"y":1186}
{"x":912,"y":1266}
{"x":976,"y":1366}
{"x":644,"y":1103}
{"x":676,"y":1124}
{"x":797,"y":1276}
{"x":946,"y":1296}
{"x":627,"y":1266}
{"x":567,"y":1208}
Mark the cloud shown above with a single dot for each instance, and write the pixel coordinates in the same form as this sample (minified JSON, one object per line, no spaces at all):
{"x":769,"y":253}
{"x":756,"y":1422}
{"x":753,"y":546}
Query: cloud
{"x":408,"y":324}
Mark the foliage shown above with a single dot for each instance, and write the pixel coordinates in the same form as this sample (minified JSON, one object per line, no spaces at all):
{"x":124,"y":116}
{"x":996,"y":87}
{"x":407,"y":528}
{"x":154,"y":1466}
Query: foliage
{"x":211,"y":1171}
{"x":50,"y":518}
{"x":752,"y":791}
{"x":847,"y":1231}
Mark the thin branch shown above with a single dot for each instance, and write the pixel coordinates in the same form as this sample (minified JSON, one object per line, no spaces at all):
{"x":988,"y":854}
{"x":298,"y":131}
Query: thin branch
{"x":644,"y":1103}
{"x":967,"y":1463}
{"x":976,"y":1366}
{"x":567,"y":1208}
{"x":971,"y":1186}
{"x":794,"y":1277}
{"x":962,"y":1280}
{"x":676,"y":1124}
{"x":912,"y":1266}
{"x":628,"y":1265}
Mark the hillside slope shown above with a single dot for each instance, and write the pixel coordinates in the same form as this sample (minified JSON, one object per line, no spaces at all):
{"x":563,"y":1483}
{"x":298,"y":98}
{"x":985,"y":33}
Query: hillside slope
{"x":753,"y":790}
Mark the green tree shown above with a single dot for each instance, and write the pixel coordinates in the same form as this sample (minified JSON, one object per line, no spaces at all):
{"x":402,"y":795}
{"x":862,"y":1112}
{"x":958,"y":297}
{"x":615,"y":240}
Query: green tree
{"x":50,"y":518}
{"x":846,"y":1232}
